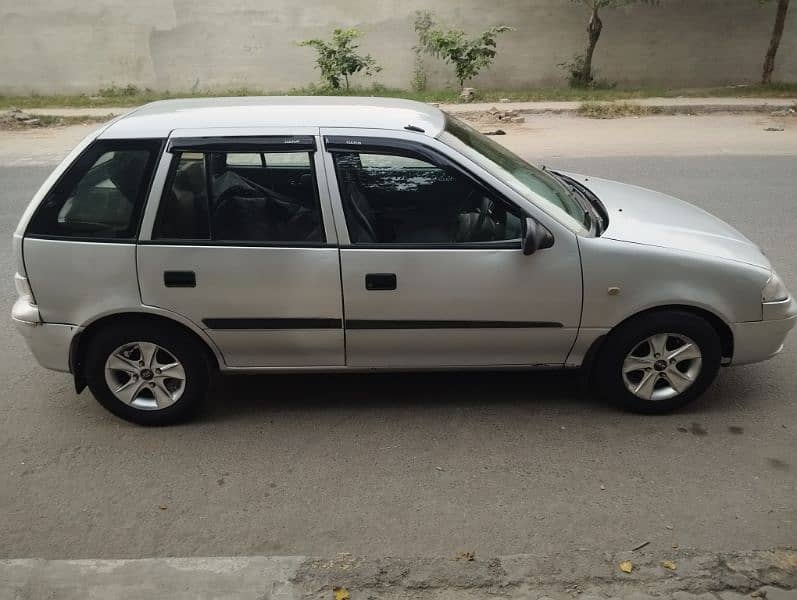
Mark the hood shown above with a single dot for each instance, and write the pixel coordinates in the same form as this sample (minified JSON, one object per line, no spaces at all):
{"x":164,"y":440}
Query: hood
{"x":643,"y":216}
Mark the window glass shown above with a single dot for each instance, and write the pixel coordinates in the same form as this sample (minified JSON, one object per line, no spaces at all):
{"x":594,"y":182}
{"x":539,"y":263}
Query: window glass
{"x":101,"y":195}
{"x":533,"y":183}
{"x":287,"y":159}
{"x":249,"y":159}
{"x":241,"y":197}
{"x":396,"y":199}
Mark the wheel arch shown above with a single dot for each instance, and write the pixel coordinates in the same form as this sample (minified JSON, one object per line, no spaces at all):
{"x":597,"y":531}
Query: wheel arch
{"x":717,"y":323}
{"x":82,"y":340}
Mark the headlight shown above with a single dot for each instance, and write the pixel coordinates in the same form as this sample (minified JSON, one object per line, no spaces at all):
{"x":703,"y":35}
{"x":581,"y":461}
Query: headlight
{"x":774,"y":290}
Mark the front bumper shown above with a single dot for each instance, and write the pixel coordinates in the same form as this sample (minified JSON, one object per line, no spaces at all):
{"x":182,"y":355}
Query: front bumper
{"x":49,"y":342}
{"x":759,"y":340}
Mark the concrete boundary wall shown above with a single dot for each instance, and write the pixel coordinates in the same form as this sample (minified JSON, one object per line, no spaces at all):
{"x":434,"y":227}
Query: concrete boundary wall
{"x":62,"y":46}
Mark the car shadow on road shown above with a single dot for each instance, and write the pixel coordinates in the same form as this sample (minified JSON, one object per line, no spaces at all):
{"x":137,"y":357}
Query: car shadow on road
{"x":561,"y":391}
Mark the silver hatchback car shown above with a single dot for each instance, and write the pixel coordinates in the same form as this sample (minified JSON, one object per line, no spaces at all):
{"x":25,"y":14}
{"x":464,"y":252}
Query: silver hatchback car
{"x":355,"y":234}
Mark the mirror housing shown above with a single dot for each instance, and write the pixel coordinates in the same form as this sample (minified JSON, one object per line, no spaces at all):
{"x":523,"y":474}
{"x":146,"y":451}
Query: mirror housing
{"x":534,"y":236}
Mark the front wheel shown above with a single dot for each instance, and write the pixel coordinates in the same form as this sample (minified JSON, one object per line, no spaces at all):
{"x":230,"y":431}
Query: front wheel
{"x":146,"y":373}
{"x":658,"y":362}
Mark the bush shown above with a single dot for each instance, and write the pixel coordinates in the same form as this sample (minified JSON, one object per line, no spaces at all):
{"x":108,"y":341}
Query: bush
{"x":339,"y":59}
{"x":468,"y":55}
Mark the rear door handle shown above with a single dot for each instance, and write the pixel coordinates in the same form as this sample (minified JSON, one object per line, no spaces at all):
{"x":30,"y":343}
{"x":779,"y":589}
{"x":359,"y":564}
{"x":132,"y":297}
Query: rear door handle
{"x":179,"y":279}
{"x":380,"y":281}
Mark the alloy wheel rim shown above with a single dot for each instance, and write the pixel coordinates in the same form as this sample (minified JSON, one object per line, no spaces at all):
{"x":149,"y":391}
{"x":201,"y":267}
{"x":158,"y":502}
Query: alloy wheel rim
{"x":145,"y":375}
{"x":662,"y":366}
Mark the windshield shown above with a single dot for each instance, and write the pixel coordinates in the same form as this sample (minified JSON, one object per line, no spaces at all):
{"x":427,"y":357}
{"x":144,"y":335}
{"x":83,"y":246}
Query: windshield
{"x":532,"y":183}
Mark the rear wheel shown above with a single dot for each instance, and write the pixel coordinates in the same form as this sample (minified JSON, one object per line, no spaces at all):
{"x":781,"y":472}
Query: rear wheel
{"x":658,"y":362}
{"x":146,"y":373}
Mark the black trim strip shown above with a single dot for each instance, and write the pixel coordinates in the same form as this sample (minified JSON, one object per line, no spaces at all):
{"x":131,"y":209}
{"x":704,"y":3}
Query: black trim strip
{"x":233,"y":244}
{"x":501,"y":245}
{"x":372,"y":324}
{"x":276,"y":143}
{"x":273,"y":323}
{"x":402,"y":324}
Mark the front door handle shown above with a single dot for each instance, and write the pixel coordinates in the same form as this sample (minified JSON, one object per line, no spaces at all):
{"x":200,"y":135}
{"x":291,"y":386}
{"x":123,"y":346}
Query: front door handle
{"x":380,"y":281}
{"x":179,"y":279}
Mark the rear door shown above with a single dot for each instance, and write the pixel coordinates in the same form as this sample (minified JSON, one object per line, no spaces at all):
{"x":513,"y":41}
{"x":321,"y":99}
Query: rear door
{"x":241,"y":242}
{"x":432,"y":268}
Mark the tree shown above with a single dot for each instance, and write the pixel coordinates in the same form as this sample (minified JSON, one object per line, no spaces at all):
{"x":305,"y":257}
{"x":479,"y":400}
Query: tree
{"x":468,"y":55}
{"x":581,"y":67}
{"x":774,"y":41}
{"x":339,"y":59}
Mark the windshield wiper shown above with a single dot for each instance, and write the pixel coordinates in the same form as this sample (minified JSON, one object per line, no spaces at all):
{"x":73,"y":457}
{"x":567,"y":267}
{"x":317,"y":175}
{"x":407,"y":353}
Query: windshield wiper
{"x":586,"y":199}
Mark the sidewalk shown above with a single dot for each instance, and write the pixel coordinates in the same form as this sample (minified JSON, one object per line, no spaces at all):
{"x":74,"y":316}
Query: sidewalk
{"x":664,"y":105}
{"x":676,"y":574}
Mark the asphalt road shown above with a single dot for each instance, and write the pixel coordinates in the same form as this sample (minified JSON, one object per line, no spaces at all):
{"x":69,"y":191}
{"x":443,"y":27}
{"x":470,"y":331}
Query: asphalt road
{"x":496,"y":463}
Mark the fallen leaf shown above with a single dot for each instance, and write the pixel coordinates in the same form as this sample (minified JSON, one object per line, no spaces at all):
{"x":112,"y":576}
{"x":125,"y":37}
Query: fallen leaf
{"x":626,"y":566}
{"x":162,"y":507}
{"x":668,"y":564}
{"x":466,"y":556}
{"x":341,"y":593}
{"x":675,"y":546}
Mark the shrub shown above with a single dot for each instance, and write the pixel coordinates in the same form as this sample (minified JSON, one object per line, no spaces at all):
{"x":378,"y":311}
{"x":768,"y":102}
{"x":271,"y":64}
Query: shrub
{"x":339,"y":59}
{"x":468,"y":55}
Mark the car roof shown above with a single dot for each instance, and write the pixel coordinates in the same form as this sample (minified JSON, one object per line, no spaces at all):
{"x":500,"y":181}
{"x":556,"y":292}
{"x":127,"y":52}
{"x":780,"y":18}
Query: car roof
{"x":159,"y":119}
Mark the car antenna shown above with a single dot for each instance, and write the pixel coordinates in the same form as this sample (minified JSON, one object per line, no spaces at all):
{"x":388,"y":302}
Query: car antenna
{"x":414,"y":128}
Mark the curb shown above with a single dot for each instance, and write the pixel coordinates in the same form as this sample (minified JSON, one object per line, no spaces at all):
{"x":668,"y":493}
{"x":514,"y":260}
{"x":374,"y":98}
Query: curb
{"x":653,"y":109}
{"x":515,"y":576}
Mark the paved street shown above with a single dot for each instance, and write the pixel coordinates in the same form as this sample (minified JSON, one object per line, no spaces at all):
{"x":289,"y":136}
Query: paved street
{"x":419,"y":465}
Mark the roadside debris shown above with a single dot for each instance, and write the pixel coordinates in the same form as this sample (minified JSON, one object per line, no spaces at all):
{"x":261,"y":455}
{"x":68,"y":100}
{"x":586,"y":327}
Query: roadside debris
{"x":341,"y":593}
{"x":494,"y":132}
{"x":640,"y":546}
{"x":466,"y":555}
{"x":668,"y":564}
{"x":14,"y":118}
{"x":774,"y":129}
{"x":626,"y":566}
{"x":467,"y":94}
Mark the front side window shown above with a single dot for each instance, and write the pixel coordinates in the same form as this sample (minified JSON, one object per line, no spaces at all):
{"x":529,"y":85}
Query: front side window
{"x":265,"y":197}
{"x":102,"y":194}
{"x":405,"y":199}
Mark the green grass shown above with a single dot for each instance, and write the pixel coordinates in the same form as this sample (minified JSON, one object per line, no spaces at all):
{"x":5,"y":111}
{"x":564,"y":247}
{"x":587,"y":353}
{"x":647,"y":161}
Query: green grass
{"x":132,"y":96}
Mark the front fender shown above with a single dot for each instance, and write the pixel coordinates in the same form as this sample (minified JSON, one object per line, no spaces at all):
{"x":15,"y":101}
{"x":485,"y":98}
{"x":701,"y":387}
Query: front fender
{"x":622,"y":279}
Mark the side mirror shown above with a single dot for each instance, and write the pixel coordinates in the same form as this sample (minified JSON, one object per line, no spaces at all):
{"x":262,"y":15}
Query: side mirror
{"x":534,"y":236}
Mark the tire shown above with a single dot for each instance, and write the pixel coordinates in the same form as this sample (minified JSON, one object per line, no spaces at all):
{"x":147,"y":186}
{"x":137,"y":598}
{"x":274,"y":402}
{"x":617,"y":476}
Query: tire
{"x":154,"y":396}
{"x":662,"y":386}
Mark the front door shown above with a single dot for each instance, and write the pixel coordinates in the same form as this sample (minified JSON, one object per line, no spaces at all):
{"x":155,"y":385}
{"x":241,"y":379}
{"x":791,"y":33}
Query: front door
{"x":242,"y":244}
{"x":432,"y":270}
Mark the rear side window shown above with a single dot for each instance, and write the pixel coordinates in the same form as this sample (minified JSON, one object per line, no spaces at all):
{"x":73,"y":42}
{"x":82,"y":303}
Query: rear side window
{"x":255,"y":197}
{"x":101,"y":195}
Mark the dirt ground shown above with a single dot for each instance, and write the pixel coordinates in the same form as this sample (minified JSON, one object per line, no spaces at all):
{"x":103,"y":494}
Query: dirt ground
{"x":542,"y":136}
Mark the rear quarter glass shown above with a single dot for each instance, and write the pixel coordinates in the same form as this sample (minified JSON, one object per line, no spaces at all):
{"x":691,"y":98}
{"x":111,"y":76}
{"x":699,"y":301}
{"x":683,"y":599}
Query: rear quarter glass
{"x":101,"y":194}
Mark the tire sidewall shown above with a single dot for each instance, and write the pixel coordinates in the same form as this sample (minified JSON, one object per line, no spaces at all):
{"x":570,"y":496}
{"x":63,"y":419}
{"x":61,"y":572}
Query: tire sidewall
{"x":178,"y":343}
{"x":627,"y":336}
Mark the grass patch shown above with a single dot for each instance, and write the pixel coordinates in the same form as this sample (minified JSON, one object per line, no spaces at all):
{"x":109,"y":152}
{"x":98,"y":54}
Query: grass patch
{"x":130,"y":95}
{"x":613,"y":110}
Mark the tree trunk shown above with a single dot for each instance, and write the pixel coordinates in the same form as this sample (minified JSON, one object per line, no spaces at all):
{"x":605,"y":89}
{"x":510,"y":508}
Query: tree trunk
{"x":594,"y":28}
{"x":774,"y":42}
